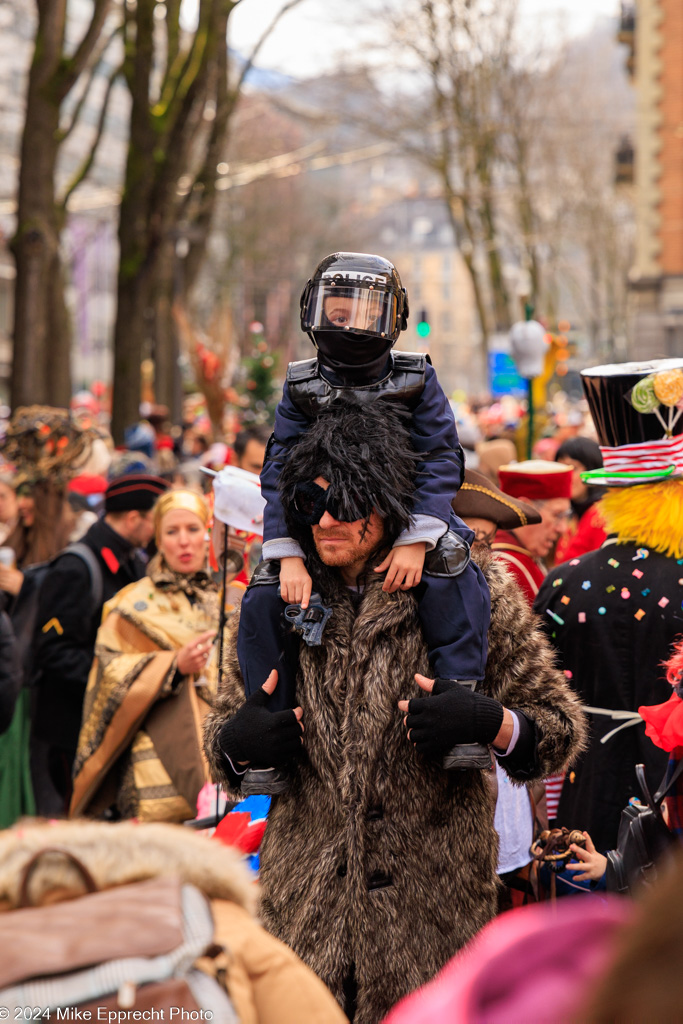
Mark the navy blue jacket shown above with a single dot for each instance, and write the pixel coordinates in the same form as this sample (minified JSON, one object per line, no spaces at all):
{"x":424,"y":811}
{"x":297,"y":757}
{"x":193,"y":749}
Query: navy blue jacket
{"x":432,"y":431}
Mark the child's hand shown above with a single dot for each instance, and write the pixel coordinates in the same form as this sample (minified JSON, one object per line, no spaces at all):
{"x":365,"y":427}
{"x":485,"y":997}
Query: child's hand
{"x":592,"y":863}
{"x":295,"y":583}
{"x":403,"y":566}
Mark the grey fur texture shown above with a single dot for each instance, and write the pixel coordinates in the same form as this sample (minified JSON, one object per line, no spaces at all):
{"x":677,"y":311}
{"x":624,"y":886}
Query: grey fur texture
{"x":434,"y":838}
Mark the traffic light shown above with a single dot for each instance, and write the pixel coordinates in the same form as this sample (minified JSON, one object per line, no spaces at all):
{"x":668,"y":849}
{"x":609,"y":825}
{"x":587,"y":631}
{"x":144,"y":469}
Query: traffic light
{"x":423,"y":326}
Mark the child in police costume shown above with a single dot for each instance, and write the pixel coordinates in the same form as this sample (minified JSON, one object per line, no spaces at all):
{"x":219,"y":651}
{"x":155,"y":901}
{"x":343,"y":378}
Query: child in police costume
{"x":354,"y":309}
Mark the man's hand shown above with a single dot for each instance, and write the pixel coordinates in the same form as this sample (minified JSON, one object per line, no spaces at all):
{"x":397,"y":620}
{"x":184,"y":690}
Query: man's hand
{"x":11,"y":580}
{"x":592,"y":863}
{"x":453,"y":714}
{"x":403,"y":566}
{"x":259,"y":736}
{"x":295,"y":582}
{"x":193,"y":656}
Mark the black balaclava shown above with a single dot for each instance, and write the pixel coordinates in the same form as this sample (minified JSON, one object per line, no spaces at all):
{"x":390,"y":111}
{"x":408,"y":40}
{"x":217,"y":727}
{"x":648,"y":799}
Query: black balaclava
{"x":357,"y":358}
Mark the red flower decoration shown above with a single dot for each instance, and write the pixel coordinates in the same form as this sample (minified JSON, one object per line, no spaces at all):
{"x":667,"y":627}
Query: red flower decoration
{"x":664,"y":723}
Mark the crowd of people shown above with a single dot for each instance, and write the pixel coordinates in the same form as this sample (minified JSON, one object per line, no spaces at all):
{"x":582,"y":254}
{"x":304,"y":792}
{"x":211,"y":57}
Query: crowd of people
{"x":442,"y":663}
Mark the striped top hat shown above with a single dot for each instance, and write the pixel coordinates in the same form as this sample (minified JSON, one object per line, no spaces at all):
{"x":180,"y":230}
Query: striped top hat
{"x":637,"y":409}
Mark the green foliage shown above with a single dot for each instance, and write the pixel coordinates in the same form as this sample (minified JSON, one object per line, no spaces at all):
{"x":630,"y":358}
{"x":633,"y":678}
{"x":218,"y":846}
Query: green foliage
{"x":258,"y":383}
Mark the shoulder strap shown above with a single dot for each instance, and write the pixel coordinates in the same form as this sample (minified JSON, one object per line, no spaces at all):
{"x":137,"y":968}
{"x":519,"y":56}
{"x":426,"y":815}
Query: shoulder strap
{"x":654,"y":801}
{"x":415,"y":361}
{"x":665,"y":786}
{"x":302,"y":370}
{"x":265,"y":574}
{"x":87,"y":555}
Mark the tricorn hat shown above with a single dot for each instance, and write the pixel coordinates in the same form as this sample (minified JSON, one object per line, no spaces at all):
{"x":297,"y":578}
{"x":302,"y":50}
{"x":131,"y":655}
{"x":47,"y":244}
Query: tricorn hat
{"x":637,"y":409}
{"x":480,"y":499}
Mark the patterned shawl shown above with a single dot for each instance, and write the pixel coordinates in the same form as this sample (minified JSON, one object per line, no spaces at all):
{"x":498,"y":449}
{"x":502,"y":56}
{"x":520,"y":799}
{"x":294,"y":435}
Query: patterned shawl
{"x":139,"y":742}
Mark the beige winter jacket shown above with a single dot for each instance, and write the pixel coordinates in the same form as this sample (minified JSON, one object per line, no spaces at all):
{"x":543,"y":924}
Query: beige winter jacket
{"x":266,"y":982}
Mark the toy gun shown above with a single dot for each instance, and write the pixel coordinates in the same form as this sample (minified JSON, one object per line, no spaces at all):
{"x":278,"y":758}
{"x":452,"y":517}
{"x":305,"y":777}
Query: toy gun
{"x":309,"y":622}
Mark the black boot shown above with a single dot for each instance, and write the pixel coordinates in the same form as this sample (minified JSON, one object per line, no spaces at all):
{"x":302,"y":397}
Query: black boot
{"x":467,"y":755}
{"x":265,"y":782}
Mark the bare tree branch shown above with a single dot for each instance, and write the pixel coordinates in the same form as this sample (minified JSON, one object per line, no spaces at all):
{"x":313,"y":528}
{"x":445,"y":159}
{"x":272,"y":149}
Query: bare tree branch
{"x":249,"y":63}
{"x":172,"y":32}
{"x":84,"y":169}
{"x":182,"y":75}
{"x":64,"y":133}
{"x":75,"y":65}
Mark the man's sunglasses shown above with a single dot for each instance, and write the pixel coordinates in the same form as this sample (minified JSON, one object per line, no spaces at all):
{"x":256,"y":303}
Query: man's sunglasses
{"x":312,"y":501}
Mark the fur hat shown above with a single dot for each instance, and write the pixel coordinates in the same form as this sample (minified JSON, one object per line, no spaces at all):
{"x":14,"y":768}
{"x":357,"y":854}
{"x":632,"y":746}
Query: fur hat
{"x":364,"y":451}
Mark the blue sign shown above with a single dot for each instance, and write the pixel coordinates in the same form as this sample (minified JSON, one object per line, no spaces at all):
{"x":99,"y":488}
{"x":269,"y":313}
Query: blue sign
{"x":503,"y":376}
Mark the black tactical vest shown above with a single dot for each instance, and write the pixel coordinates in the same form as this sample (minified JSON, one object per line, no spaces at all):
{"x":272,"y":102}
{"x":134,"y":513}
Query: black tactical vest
{"x":311,"y":393}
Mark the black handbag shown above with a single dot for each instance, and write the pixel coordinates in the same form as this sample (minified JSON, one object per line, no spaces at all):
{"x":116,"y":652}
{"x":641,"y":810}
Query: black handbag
{"x":643,"y":838}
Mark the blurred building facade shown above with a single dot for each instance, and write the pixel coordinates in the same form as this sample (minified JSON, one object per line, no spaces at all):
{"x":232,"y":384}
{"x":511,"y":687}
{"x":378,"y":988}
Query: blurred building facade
{"x":653,"y":30}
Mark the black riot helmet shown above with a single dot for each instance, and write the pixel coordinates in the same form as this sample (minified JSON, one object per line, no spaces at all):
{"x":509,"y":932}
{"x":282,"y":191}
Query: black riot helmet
{"x":354,"y":307}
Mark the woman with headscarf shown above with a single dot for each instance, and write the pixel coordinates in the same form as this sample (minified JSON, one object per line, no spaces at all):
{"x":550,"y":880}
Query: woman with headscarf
{"x":588,"y":532}
{"x":154,"y":675}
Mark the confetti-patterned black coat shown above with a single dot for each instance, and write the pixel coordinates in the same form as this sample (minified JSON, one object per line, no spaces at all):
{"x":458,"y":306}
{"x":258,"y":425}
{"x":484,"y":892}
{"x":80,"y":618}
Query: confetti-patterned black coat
{"x":612,"y":615}
{"x":377,"y":862}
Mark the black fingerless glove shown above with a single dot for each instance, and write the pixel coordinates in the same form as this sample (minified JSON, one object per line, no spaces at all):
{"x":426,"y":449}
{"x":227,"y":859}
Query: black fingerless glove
{"x":452,"y":714}
{"x":255,"y":734}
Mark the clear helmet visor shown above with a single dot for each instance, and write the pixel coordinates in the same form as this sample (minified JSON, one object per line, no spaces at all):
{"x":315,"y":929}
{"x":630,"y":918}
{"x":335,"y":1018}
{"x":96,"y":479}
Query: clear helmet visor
{"x":363,"y":309}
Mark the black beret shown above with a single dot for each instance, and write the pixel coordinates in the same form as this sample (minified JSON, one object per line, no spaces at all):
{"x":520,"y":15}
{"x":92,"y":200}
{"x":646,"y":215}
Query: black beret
{"x":134,"y":491}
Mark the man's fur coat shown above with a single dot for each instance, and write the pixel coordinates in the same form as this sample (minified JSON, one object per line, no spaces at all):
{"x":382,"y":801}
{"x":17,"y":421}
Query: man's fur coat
{"x":376,"y":862}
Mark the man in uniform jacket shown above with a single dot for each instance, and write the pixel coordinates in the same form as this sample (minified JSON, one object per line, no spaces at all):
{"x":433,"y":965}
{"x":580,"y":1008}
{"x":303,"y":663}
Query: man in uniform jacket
{"x":613,"y":614}
{"x":66,"y":627}
{"x":377,"y":864}
{"x":523,"y":549}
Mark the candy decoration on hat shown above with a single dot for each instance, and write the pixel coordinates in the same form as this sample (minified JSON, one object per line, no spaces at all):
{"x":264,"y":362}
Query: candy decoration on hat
{"x":665,"y":387}
{"x":668,"y":386}
{"x":643,"y":397}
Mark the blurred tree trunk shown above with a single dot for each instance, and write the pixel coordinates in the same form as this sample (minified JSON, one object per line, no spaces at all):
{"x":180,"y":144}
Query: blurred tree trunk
{"x":169,"y":126}
{"x":41,"y":369}
{"x":167,"y":385}
{"x":178,"y":134}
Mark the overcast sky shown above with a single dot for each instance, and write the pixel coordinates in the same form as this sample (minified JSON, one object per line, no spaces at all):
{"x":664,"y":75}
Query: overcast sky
{"x":309,"y":38}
